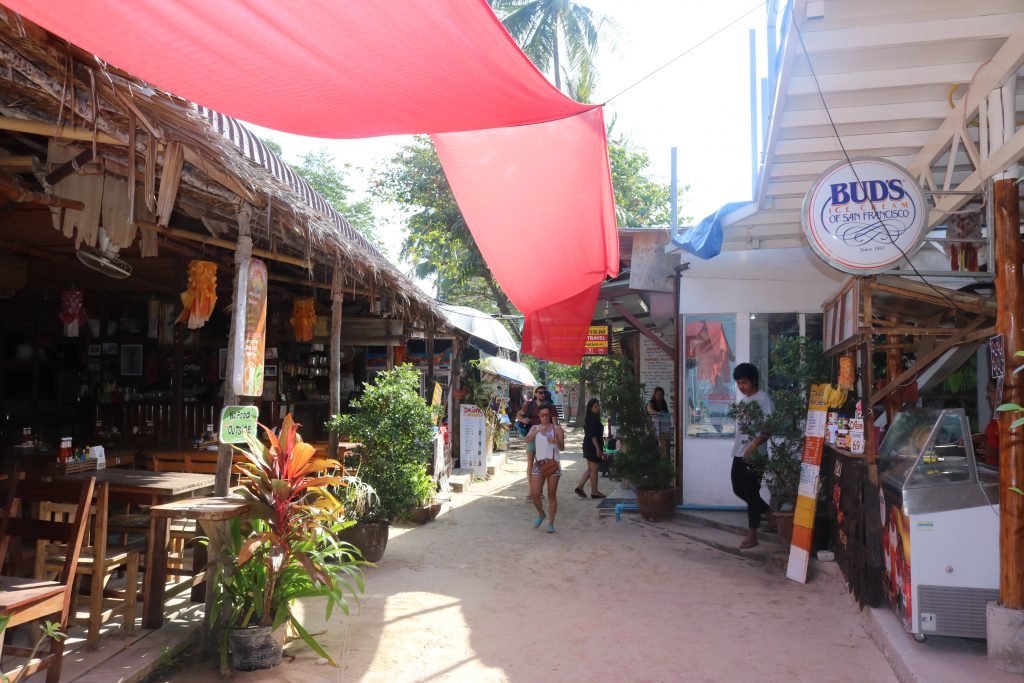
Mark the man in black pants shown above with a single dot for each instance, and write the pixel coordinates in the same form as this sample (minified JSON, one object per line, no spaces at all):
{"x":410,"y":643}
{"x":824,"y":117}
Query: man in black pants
{"x":745,"y":484}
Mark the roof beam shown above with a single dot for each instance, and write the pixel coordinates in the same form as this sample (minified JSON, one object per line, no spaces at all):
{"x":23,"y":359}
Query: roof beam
{"x":982,"y":27}
{"x":868,"y":114}
{"x":913,"y":76}
{"x":912,"y":139}
{"x":1003,"y":64}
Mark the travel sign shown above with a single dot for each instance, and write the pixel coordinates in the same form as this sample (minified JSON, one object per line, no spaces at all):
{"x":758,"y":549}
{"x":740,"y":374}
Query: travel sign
{"x":859,"y":215}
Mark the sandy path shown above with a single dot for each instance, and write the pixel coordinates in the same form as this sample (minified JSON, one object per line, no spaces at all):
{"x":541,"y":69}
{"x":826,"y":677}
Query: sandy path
{"x":479,"y":595}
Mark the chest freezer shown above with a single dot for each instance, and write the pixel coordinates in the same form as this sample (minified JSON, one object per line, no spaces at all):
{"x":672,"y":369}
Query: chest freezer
{"x":940,"y":525}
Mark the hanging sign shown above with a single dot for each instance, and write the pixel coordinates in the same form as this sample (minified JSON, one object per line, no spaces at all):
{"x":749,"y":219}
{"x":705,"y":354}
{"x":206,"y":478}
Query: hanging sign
{"x":247,"y":375}
{"x":597,"y":341}
{"x":862,"y":216}
{"x":807,"y":493}
{"x":236,"y":422}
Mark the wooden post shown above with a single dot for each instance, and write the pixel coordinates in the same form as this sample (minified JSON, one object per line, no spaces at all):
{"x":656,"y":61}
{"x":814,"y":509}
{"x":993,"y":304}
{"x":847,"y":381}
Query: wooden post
{"x":242,"y":254}
{"x":334,"y":370}
{"x":454,"y":411}
{"x":1009,"y":324}
{"x":178,"y":390}
{"x":429,"y":384}
{"x":892,"y":371}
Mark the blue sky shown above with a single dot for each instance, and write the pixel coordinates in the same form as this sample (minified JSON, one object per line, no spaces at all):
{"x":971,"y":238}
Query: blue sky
{"x":699,"y":104}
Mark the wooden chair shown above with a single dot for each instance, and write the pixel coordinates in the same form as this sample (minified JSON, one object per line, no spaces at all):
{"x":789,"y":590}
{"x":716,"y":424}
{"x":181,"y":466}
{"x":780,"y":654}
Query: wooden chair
{"x":98,"y":561}
{"x":25,"y":600}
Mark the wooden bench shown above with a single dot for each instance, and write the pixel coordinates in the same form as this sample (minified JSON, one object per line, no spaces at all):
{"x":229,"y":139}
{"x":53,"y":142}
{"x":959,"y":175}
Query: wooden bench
{"x":194,"y":462}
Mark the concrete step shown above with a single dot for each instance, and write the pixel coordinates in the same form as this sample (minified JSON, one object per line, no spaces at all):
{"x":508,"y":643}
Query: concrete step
{"x":460,"y":480}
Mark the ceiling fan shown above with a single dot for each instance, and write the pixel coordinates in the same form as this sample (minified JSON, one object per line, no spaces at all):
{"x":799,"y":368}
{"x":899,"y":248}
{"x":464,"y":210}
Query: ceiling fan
{"x":104,"y":259}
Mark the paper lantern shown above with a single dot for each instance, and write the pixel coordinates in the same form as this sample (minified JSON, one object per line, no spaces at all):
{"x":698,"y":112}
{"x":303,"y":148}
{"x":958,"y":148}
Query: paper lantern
{"x":201,"y":295}
{"x":304,"y":319}
{"x":72,"y":312}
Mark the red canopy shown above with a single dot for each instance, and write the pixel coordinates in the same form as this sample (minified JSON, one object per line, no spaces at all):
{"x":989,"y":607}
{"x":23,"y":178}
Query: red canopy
{"x":352,"y":68}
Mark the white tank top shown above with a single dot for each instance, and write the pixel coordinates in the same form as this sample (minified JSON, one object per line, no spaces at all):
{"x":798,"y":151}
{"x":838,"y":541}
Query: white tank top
{"x":545,"y":448}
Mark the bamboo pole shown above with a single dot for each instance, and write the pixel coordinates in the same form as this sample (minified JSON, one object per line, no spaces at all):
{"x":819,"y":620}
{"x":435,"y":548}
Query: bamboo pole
{"x":334,"y":369}
{"x":1009,"y":324}
{"x":52,"y":130}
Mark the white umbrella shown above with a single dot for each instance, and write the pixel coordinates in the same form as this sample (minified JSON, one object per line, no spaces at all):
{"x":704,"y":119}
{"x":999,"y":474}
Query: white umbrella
{"x":480,"y":325}
{"x":509,"y":369}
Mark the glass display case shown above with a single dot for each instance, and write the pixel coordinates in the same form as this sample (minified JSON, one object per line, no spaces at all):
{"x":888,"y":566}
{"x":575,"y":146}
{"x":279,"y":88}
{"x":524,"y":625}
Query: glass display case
{"x":940,"y":525}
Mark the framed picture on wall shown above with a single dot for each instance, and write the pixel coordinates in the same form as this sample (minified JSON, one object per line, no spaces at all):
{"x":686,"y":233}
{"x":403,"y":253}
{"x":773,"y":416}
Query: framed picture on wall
{"x":270,"y":371}
{"x":222,"y":363}
{"x":131,"y":359}
{"x":95,"y":350}
{"x":109,"y":348}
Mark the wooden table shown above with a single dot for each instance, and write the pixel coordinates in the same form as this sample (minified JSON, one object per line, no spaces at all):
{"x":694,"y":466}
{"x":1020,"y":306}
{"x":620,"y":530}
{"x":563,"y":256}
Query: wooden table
{"x":15,"y":593}
{"x":154,"y":489}
{"x":211,"y":513}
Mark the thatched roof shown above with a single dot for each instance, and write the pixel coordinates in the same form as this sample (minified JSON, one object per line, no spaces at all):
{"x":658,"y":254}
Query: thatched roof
{"x":223,"y":167}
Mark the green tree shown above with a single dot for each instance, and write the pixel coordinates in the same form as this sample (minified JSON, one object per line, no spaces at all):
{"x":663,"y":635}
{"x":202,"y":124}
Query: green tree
{"x":639,"y":201}
{"x":438,"y":242}
{"x":550,"y":30}
{"x":320,"y":169}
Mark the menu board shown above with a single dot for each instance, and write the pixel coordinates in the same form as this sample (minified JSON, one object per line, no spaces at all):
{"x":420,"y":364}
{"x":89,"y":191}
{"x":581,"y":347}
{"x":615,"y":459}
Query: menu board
{"x":472,"y":434}
{"x":657,"y":369}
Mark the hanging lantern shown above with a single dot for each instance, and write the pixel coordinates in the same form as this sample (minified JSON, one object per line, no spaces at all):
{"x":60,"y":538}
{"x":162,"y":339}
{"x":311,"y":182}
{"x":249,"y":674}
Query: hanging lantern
{"x":72,"y":312}
{"x":303,"y":319}
{"x":846,"y":373}
{"x":201,"y":295}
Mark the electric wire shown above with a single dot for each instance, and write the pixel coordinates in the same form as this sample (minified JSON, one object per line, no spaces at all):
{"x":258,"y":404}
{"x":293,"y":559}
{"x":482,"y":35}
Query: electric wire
{"x":853,"y":169}
{"x":687,"y":51}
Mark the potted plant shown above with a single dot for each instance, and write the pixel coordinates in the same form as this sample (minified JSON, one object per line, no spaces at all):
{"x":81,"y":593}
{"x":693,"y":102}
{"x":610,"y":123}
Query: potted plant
{"x":796,"y":363}
{"x":651,"y":474}
{"x":424,"y":488}
{"x":288,"y":550}
{"x":639,"y":460}
{"x":393,"y":424}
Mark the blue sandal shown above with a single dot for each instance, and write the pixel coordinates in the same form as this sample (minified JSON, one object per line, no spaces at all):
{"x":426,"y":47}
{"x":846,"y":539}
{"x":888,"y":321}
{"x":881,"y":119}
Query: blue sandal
{"x":551,"y":528}
{"x":540,"y":520}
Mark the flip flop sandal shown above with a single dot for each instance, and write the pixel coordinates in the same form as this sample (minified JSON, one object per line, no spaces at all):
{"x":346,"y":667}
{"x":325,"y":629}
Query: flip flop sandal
{"x":537,"y":522}
{"x":551,"y":528}
{"x":579,"y":492}
{"x":747,"y":545}
{"x":597,"y":495}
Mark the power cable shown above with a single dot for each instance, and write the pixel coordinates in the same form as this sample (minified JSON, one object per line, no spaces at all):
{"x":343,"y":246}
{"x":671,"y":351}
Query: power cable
{"x":853,"y":169}
{"x":686,"y":51}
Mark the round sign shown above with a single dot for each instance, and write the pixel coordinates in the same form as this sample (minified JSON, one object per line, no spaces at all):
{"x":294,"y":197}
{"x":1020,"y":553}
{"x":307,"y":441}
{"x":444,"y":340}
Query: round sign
{"x":859,"y":215}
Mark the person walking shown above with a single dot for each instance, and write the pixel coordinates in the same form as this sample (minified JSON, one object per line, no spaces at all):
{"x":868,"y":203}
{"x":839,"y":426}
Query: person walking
{"x":593,"y":448}
{"x":549,"y":440}
{"x":745,"y":484}
{"x":529,"y":416}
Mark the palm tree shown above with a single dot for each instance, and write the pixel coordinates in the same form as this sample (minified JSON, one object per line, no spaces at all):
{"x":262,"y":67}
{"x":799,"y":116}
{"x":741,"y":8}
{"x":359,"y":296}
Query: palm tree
{"x":547,"y":30}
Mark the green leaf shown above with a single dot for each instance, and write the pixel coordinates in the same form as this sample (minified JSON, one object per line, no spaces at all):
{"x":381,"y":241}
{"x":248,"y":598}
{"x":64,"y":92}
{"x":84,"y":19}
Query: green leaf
{"x":1009,"y":406}
{"x":309,"y":640}
{"x":1017,"y":423}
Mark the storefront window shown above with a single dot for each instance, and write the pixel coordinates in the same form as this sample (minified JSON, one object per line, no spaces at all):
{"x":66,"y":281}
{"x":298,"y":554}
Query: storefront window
{"x":766,"y":327}
{"x":710,"y":359}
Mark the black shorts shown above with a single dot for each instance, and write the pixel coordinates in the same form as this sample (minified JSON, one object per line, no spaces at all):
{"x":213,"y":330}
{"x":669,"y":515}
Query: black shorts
{"x":591,"y":455}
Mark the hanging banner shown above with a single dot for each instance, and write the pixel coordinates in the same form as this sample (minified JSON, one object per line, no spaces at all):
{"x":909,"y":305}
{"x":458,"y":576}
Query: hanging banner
{"x":807,"y":494}
{"x":862,"y":216}
{"x":472,"y":434}
{"x":597,"y":341}
{"x":247,"y":374}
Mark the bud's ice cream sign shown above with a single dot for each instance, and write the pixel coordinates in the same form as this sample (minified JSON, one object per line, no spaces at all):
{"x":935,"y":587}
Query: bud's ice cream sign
{"x":859,"y":217}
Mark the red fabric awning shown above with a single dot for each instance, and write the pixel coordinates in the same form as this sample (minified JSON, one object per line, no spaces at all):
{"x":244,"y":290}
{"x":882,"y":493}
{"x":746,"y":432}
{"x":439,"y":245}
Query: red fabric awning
{"x":351,"y":68}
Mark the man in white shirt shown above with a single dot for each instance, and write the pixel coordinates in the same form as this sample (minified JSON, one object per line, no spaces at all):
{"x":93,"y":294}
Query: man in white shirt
{"x":745,"y":484}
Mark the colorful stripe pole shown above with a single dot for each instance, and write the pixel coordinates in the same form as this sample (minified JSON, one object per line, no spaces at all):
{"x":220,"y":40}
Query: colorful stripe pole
{"x":807,"y":497}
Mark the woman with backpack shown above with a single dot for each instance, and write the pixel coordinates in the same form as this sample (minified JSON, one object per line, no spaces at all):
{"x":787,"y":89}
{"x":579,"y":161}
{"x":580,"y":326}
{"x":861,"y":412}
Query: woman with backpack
{"x":549,"y":440}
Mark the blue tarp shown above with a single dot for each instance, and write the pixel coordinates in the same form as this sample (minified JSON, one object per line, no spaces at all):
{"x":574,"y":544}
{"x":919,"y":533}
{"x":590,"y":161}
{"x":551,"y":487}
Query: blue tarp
{"x":705,"y":239}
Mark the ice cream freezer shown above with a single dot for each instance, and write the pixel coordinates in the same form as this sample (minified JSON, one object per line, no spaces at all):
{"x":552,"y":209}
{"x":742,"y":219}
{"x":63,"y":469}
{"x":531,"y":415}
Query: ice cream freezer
{"x":940,"y":525}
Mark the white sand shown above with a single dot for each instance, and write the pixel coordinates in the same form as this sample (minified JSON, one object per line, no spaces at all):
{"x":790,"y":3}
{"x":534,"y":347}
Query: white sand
{"x":480,"y":595}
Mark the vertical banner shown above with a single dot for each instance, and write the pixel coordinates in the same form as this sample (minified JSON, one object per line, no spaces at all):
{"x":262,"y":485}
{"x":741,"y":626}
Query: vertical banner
{"x":472,"y":435}
{"x":807,"y":495}
{"x":247,"y":375}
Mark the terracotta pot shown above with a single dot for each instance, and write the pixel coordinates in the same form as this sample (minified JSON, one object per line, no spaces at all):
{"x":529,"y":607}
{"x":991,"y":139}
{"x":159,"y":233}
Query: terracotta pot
{"x":656,"y":504}
{"x":371,"y":538}
{"x":784,"y":523}
{"x":256,"y":647}
{"x":434,"y":510}
{"x":420,"y":515}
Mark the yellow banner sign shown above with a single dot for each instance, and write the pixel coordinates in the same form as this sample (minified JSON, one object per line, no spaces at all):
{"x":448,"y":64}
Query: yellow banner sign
{"x":597,"y":341}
